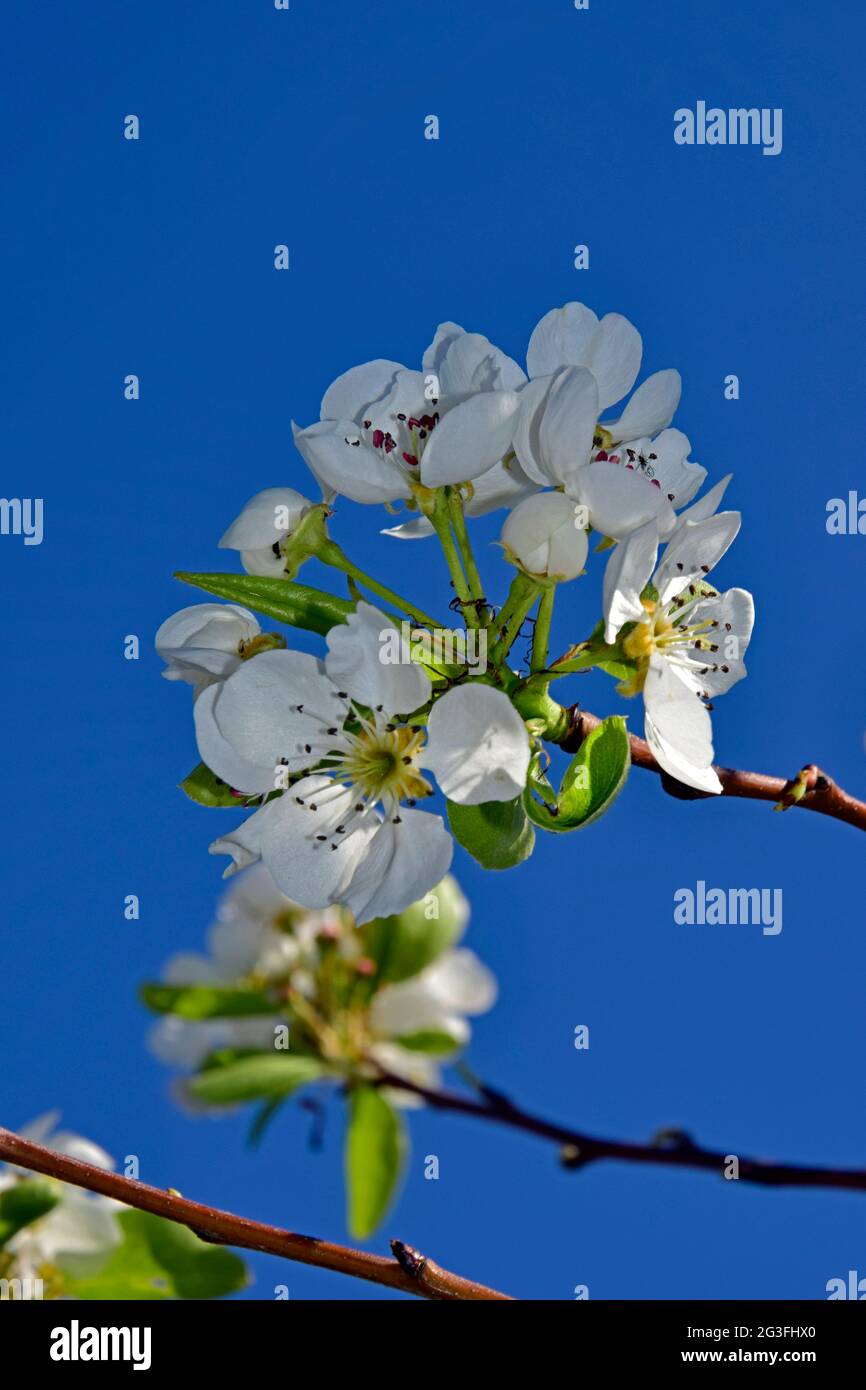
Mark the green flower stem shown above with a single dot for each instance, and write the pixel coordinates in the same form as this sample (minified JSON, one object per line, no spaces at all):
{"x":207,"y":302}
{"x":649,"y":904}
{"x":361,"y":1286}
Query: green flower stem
{"x":332,"y":554}
{"x":541,"y":636}
{"x":521,"y":596}
{"x":458,"y":521}
{"x":439,"y":515}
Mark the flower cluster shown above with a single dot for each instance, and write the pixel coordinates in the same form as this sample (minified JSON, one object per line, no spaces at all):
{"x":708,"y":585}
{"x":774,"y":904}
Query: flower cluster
{"x":318,"y":995}
{"x":333,"y":754}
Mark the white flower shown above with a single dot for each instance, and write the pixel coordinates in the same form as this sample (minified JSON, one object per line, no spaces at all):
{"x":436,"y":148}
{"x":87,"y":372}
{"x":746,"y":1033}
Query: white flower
{"x":342,"y":834}
{"x":546,"y":533}
{"x":688,"y":647}
{"x":79,"y":1233}
{"x":579,"y":367}
{"x":384,"y":427}
{"x":204,"y":643}
{"x":574,"y":337}
{"x":266,"y":520}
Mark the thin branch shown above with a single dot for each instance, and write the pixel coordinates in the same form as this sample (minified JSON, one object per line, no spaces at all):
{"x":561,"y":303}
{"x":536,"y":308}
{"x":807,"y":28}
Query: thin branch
{"x":670,"y":1149}
{"x":811,"y":789}
{"x":410,"y":1271}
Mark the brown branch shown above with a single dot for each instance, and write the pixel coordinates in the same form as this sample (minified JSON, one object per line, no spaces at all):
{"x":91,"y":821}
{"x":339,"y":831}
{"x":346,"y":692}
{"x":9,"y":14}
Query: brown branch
{"x":409,"y":1271}
{"x":811,"y":789}
{"x":670,"y":1148}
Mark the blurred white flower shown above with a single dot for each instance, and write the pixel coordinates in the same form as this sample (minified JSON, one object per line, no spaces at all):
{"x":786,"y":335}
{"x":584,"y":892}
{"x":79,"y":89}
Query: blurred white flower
{"x":79,"y":1233}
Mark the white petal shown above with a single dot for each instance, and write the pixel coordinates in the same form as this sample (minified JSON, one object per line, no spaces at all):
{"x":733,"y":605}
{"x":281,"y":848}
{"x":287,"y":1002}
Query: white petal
{"x":668,"y":456}
{"x":303,"y":865}
{"x":693,"y":551}
{"x":470,"y":439}
{"x":203,"y":641}
{"x":544,"y":535}
{"x":651,"y":408}
{"x":471,"y":363}
{"x":405,"y":859}
{"x":78,"y":1228}
{"x":348,"y":396}
{"x":707,"y":505}
{"x":179,"y":1042}
{"x":355,"y":663}
{"x":341,"y":460}
{"x":678,"y":727}
{"x":503,"y":485}
{"x":461,"y":983}
{"x":614,"y":358}
{"x":477,"y":746}
{"x":627,"y":575}
{"x":265,"y":519}
{"x":418,"y":529}
{"x":568,"y":422}
{"x":251,"y":722}
{"x":561,"y":339}
{"x":444,"y":336}
{"x":619,"y":499}
{"x":245,"y":843}
{"x":733,"y":616}
{"x":527,"y":427}
{"x":188,"y":968}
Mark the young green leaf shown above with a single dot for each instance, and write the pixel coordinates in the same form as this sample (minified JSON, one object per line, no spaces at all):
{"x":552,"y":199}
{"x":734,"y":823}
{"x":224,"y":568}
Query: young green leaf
{"x":158,"y":1260}
{"x":264,"y":1076}
{"x":429,"y":1040}
{"x":403,"y":945}
{"x":205,"y":788}
{"x":205,"y":1001}
{"x":497,"y":833}
{"x":23,"y":1203}
{"x":375,"y":1151}
{"x":281,"y":599}
{"x":594,"y":778}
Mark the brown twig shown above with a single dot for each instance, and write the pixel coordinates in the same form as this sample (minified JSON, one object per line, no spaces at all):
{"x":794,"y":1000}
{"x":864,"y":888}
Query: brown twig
{"x":811,"y":789}
{"x":409,"y":1271}
{"x":670,"y":1148}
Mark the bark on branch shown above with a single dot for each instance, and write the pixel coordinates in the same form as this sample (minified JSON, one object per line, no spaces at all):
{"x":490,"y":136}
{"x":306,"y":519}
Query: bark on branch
{"x":811,"y":789}
{"x":409,"y":1271}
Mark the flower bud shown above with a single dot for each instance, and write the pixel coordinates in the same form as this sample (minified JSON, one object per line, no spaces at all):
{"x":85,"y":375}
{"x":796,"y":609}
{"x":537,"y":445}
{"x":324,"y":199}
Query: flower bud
{"x":266,"y":521}
{"x":545,"y":536}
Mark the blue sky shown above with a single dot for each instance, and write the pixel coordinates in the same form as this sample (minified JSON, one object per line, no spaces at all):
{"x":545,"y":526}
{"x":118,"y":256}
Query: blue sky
{"x":305,"y":127}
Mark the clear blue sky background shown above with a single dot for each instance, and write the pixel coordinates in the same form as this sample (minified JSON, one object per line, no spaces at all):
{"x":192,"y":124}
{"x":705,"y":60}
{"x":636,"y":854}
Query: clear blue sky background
{"x":156,"y":257}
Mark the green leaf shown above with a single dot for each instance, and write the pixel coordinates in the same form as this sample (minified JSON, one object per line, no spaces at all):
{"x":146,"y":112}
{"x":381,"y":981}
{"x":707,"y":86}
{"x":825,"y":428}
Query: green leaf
{"x":375,"y":1150}
{"x":436,"y":1044}
{"x":282,"y":599}
{"x":24,"y":1203}
{"x":594,"y":778}
{"x":205,"y":1001}
{"x":205,"y":788}
{"x":160,"y":1260}
{"x":497,"y":833}
{"x":197,"y":1268}
{"x":265,"y":1076}
{"x":403,"y":945}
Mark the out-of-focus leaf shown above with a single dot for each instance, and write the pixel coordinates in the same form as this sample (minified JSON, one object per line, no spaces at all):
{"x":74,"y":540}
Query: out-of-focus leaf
{"x":375,"y":1150}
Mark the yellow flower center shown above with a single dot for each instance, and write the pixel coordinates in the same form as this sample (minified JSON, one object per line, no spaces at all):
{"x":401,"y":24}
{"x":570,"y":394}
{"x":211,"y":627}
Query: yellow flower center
{"x":383,"y":763}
